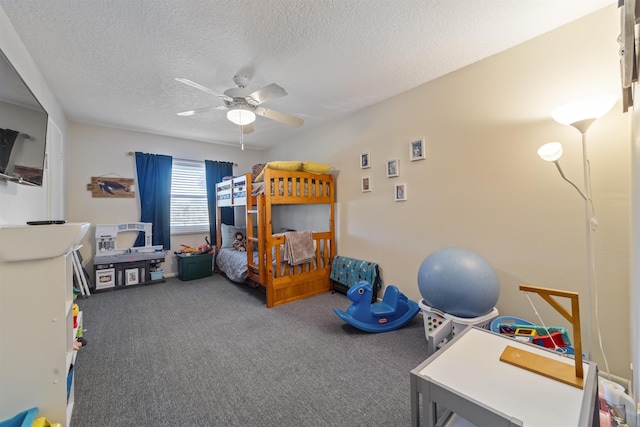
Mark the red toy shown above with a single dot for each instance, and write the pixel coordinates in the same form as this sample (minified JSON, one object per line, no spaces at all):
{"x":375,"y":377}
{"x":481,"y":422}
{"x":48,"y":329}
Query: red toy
{"x":548,"y":340}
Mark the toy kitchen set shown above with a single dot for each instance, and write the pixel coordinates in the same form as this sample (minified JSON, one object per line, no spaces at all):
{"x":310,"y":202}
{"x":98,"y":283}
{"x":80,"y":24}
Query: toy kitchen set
{"x":118,"y":268}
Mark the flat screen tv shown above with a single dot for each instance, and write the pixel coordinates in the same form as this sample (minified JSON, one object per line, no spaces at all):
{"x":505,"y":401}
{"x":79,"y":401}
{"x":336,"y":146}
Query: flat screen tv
{"x":23,"y":129}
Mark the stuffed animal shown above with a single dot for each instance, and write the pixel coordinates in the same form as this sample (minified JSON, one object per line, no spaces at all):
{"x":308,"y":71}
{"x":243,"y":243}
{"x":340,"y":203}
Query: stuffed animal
{"x":240,"y":244}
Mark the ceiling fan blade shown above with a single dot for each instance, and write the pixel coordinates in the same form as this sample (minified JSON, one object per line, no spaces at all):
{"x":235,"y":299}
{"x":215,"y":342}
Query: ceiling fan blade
{"x":265,"y":94}
{"x":204,"y":89}
{"x":280,"y":117}
{"x":203,"y":110}
{"x":247,"y":128}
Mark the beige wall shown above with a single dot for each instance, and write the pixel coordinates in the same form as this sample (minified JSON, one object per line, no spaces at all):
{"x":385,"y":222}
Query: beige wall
{"x":98,"y":151}
{"x":482,"y":186}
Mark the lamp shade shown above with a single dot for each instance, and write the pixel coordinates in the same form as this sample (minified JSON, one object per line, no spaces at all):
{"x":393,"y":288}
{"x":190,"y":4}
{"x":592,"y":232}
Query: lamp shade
{"x":241,"y":116}
{"x":591,"y":108}
{"x":550,"y":152}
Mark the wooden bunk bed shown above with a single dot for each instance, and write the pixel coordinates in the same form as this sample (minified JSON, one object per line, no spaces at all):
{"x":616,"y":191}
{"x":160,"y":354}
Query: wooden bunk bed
{"x":265,"y":266}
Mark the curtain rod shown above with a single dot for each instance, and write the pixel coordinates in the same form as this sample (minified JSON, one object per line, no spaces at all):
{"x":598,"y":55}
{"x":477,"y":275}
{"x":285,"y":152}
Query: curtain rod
{"x":22,"y":134}
{"x":131,"y":153}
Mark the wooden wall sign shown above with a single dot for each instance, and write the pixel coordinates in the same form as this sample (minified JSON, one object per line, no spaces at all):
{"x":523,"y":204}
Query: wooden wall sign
{"x":111,"y":187}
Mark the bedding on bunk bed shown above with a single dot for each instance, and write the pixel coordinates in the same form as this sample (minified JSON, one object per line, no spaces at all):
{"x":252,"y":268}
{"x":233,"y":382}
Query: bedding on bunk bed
{"x":299,"y":249}
{"x":233,"y":264}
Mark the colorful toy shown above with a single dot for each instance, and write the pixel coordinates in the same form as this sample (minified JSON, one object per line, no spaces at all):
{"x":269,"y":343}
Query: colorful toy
{"x":548,"y":341}
{"x":76,"y":311}
{"x":393,"y":312}
{"x":544,"y":336}
{"x":525,"y":334}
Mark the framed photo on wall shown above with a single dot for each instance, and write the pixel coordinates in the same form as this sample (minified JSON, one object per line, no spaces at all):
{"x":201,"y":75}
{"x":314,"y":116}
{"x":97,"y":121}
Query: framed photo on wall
{"x":416,"y":150}
{"x":366,"y":184}
{"x":365,"y":160}
{"x":392,"y":168}
{"x":400,"y":192}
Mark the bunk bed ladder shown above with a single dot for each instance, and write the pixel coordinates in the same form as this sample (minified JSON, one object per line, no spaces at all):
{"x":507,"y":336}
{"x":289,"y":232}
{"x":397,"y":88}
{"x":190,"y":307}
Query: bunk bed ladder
{"x":254,"y":221}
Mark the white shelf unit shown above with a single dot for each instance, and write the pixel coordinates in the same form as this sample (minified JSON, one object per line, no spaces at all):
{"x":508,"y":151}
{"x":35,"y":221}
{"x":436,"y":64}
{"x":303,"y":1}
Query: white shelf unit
{"x":36,"y":339}
{"x":36,"y":333}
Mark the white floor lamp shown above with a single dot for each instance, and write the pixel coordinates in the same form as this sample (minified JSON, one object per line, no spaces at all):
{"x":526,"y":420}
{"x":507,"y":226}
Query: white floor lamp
{"x":581,"y":115}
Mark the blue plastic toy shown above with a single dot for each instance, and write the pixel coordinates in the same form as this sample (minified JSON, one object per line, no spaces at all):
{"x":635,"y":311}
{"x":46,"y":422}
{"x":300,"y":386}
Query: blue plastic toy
{"x":393,"y":312}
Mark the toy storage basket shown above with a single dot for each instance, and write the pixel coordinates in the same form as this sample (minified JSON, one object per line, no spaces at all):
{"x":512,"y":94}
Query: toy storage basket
{"x":433,"y":318}
{"x":515,"y":322}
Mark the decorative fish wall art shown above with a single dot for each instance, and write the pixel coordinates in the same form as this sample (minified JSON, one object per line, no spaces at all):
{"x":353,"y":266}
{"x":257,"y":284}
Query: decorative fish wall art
{"x":102,"y":186}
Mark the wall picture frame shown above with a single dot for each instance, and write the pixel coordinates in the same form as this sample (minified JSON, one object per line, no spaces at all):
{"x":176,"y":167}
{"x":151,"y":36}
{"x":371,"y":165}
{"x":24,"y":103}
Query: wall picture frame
{"x":365,"y":160}
{"x":416,"y":150}
{"x":400,"y":192}
{"x":366,"y":184}
{"x":393,"y":168}
{"x":131,"y":276}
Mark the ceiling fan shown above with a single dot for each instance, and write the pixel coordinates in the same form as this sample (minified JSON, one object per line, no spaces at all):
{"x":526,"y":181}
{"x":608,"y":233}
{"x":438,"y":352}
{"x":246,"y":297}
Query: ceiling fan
{"x":242,"y":106}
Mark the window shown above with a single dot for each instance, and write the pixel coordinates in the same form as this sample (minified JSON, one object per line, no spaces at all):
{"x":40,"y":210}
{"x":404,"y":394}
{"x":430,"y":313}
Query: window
{"x":189,"y":212}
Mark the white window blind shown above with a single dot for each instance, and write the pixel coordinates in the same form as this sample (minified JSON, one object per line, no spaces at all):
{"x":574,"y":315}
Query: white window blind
{"x":189,"y":212}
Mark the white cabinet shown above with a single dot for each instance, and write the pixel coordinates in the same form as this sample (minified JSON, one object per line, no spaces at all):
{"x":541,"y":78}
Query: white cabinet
{"x":36,"y":329}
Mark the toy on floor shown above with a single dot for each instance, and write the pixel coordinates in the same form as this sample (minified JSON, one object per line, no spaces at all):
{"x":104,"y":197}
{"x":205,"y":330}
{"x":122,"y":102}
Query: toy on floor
{"x":79,"y":343}
{"x":393,"y":312}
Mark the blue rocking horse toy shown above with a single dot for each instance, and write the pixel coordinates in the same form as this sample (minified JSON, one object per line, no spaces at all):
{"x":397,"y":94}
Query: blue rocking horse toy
{"x":393,"y":312}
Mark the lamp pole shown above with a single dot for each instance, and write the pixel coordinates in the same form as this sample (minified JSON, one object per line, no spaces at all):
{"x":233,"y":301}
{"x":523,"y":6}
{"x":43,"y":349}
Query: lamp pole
{"x":581,"y":115}
{"x":589,"y":222}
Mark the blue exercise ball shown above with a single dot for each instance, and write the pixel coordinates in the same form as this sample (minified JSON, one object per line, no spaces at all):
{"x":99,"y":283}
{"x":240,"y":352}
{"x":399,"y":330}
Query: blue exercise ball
{"x":458,"y":282}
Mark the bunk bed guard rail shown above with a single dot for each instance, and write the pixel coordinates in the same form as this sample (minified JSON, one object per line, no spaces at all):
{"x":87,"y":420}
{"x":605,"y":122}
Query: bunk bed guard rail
{"x":346,"y":272}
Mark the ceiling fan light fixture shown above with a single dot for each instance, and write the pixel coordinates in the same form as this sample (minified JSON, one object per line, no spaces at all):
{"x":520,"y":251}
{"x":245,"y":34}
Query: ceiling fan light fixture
{"x":241,"y":117}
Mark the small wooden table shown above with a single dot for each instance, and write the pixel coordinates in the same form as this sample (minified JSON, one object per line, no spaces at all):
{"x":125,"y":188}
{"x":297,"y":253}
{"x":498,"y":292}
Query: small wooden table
{"x":467,"y":378}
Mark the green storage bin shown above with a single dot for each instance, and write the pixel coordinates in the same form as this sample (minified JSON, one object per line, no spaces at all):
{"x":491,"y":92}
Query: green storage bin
{"x":192,"y":267}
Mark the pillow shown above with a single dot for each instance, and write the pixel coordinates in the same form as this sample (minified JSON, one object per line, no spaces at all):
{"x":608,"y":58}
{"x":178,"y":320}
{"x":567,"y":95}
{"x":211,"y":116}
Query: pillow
{"x":284,"y":230}
{"x":229,"y":234}
{"x":257,"y":169}
{"x":283,"y":165}
{"x":313,"y":167}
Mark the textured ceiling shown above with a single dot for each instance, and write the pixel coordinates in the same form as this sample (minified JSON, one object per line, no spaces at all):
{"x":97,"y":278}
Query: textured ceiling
{"x":113,"y":62}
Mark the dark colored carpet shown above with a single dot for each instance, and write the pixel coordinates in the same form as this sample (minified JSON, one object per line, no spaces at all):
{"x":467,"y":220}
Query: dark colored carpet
{"x":208,"y":352}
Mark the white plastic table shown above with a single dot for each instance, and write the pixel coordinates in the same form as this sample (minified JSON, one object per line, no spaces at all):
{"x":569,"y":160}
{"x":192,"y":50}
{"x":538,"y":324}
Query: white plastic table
{"x":467,"y":377}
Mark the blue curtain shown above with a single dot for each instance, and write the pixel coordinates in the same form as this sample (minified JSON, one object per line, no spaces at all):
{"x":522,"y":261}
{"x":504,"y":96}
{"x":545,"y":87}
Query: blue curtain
{"x":215,"y":171}
{"x":154,"y":185}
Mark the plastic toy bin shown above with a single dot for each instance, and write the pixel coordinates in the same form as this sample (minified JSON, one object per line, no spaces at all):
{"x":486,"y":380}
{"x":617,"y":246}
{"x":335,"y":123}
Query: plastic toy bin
{"x":156,"y":275}
{"x":192,"y":267}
